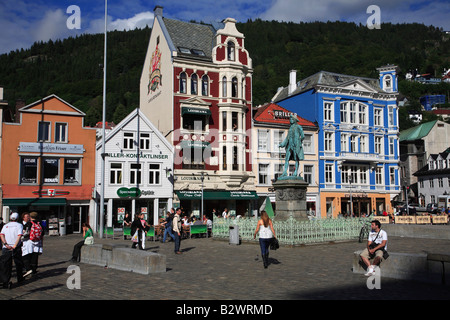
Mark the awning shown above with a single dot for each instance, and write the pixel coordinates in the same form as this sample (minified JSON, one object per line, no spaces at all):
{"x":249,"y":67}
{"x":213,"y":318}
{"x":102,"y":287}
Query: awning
{"x":24,"y":202}
{"x":217,"y":195}
{"x":197,"y":111}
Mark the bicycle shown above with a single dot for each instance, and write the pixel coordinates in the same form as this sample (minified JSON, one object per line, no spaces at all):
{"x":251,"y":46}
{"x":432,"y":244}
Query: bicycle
{"x":364,"y":233}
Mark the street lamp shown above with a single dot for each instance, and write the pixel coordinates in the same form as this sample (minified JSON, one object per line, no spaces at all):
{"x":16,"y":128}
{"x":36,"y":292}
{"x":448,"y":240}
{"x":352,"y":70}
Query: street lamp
{"x":350,"y":180}
{"x":202,"y":178}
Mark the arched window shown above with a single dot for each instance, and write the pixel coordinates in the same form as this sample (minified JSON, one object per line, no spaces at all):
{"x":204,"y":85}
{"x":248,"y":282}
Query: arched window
{"x":194,"y":84}
{"x":234,"y":87}
{"x":183,"y":82}
{"x":224,"y":86}
{"x":205,"y":85}
{"x":387,"y":83}
{"x":230,"y":51}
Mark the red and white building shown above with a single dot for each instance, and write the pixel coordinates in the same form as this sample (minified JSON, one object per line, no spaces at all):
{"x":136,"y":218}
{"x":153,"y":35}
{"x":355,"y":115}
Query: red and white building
{"x":196,"y":88}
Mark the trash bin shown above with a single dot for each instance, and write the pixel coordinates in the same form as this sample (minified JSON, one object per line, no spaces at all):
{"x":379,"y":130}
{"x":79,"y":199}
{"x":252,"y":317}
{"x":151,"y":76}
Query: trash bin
{"x":62,"y":228}
{"x":234,"y":234}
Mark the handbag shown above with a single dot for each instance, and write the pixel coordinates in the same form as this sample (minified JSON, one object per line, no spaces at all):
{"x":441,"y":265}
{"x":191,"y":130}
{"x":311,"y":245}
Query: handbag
{"x":89,"y":240}
{"x":134,"y":238}
{"x":274,"y":245}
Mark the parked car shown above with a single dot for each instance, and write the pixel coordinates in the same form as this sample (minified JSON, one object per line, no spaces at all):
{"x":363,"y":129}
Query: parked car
{"x":412,"y":208}
{"x":432,"y":208}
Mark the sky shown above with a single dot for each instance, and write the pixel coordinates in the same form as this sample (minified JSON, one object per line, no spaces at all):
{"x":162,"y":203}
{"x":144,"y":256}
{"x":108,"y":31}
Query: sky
{"x":23,"y":22}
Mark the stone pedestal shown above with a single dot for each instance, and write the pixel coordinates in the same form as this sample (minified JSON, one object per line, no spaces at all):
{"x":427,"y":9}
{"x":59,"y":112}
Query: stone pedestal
{"x":290,"y":198}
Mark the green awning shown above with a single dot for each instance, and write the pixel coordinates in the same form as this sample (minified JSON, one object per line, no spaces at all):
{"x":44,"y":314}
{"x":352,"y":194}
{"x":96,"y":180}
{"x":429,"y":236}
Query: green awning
{"x":217,"y":195}
{"x":24,"y":202}
{"x":194,"y":144}
{"x":197,"y":111}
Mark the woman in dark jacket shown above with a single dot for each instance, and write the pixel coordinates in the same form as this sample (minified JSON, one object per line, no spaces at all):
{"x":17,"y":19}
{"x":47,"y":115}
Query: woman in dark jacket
{"x":140,"y":225}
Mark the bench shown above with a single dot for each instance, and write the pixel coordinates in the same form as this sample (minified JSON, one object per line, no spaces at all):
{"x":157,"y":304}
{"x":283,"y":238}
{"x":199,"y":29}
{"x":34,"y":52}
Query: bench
{"x":422,"y":267}
{"x":121,"y":257}
{"x":198,"y":229}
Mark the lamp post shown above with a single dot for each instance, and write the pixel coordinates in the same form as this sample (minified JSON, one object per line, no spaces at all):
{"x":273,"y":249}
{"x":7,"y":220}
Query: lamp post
{"x":102,"y":190}
{"x":202,"y":178}
{"x":350,"y":180}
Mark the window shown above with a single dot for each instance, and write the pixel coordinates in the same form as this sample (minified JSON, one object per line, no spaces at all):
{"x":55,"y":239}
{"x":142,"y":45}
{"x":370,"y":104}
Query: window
{"x":235,"y":159}
{"x":224,"y":86}
{"x":183,"y":80}
{"x":205,"y":85}
{"x":431,"y":183}
{"x":440,"y":182}
{"x":60,"y":132}
{"x":388,"y":83}
{"x":379,"y":144}
{"x":194,"y":122}
{"x":363,"y":143}
{"x":263,"y":171}
{"x":378,"y":117}
{"x":391,"y":115}
{"x":307,"y":144}
{"x":352,"y":112}
{"x":194,"y":84}
{"x":224,"y":121}
{"x":72,"y":171}
{"x":43,"y":131}
{"x":362,"y":114}
{"x":392,"y":176}
{"x":363,"y":175}
{"x":28,"y":170}
{"x":391,"y":146}
{"x":135,"y":173}
{"x":278,"y":170}
{"x":50,"y":170}
{"x":308,"y":173}
{"x":154,"y":170}
{"x":278,"y":138}
{"x":421,"y":183}
{"x":344,"y":113}
{"x":128,"y":139}
{"x":144,"y":141}
{"x":234,"y":87}
{"x":328,"y":111}
{"x":231,"y":51}
{"x":234,"y":120}
{"x":353,"y":143}
{"x":328,"y":173}
{"x":344,"y":142}
{"x":193,"y":158}
{"x":329,"y":141}
{"x":224,"y":158}
{"x":263,"y":140}
{"x":115,"y":173}
{"x":379,"y":175}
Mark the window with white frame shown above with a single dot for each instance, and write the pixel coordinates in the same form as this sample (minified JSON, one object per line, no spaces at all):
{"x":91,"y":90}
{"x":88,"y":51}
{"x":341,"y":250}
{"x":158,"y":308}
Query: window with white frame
{"x":440,"y":182}
{"x":353,"y":143}
{"x":128,"y":140}
{"x":231,"y":51}
{"x":329,"y":173}
{"x":344,"y":118}
{"x":72,"y":171}
{"x":391,"y":146}
{"x":115,"y":173}
{"x":28,"y":170}
{"x":363,"y":145}
{"x":353,"y":118}
{"x":362,"y":114}
{"x":308,"y":146}
{"x":50,"y":170}
{"x":421,"y":183}
{"x":328,"y":111}
{"x":433,"y":199}
{"x":44,"y":131}
{"x":378,"y":117}
{"x":224,"y":87}
{"x":194,"y":84}
{"x":263,"y":140}
{"x":183,"y":82}
{"x":278,"y":170}
{"x":431,"y":183}
{"x":154,"y":173}
{"x":363,"y":172}
{"x":308,"y":173}
{"x":234,"y":87}
{"x":379,"y":144}
{"x":344,"y":142}
{"x":144,"y":141}
{"x":379,"y":176}
{"x":135,"y":173}
{"x":263,"y":174}
{"x":391,"y":115}
{"x":60,"y":132}
{"x":392,"y":176}
{"x":278,"y":136}
{"x":328,"y":139}
{"x":205,"y":85}
{"x":354,"y":112}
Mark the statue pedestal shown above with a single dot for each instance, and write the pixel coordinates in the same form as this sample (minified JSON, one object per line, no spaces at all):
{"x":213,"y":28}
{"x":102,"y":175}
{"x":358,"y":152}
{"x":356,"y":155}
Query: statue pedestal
{"x":290,"y":198}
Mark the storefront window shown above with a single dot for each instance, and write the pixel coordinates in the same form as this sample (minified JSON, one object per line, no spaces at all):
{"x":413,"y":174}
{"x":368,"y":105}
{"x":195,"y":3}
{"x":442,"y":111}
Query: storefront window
{"x":28,"y":170}
{"x":50,"y":170}
{"x":72,"y":171}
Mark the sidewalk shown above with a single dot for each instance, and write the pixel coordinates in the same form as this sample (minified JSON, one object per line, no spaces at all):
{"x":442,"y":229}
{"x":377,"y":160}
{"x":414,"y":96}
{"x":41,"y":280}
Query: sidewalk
{"x":215,"y":270}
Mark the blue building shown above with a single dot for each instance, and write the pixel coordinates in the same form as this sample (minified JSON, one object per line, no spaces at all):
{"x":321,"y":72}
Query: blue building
{"x":358,"y":137}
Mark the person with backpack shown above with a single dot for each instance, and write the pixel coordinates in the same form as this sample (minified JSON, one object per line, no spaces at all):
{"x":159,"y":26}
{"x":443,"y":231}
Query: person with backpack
{"x":32,"y":246}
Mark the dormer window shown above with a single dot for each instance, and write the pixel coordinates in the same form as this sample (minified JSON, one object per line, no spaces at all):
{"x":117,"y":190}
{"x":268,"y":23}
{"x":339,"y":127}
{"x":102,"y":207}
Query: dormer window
{"x":231,"y":51}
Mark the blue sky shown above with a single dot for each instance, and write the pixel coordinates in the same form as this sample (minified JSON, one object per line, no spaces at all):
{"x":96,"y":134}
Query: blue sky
{"x":22,"y":22}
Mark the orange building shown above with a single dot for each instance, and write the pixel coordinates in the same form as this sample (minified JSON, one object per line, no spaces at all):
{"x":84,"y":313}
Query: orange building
{"x":48,"y":165}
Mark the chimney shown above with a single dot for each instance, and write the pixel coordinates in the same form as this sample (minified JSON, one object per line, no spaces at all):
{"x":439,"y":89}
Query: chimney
{"x":158,"y":11}
{"x":292,"y":81}
{"x":19,"y":104}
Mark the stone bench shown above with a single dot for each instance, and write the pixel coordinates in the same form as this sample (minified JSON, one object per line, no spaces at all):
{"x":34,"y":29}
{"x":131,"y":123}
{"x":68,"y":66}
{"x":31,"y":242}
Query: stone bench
{"x":121,"y":257}
{"x":420,"y":267}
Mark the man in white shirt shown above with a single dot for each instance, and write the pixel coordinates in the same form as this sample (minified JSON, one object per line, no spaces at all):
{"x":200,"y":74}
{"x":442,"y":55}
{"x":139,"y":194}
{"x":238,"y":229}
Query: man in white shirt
{"x":11,"y":237}
{"x":376,"y":244}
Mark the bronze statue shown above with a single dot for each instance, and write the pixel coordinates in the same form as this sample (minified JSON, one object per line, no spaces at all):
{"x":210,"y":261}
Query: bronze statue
{"x":293,"y":145}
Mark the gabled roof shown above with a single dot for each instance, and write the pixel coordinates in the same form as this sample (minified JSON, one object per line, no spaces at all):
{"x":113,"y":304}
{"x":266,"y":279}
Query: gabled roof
{"x":418,"y":132}
{"x":189,"y":37}
{"x":61,"y":108}
{"x":266,"y":114}
{"x":329,"y":79}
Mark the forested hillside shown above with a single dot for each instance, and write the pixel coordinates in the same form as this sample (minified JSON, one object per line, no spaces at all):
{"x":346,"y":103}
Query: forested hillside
{"x":72,"y":68}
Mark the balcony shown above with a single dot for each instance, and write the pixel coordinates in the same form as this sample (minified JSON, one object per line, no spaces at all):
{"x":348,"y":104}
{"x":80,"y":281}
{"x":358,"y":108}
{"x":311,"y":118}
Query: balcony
{"x":358,"y":156}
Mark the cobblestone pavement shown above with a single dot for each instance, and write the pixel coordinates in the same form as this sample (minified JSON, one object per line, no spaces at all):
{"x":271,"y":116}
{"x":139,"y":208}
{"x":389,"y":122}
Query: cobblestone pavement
{"x":216,"y":270}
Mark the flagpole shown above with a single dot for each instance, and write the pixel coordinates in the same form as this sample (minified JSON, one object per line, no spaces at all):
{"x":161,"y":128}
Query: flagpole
{"x":102,"y":190}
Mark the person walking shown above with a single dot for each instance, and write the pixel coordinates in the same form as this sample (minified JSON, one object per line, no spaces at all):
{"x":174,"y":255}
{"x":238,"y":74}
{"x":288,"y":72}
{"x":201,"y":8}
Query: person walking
{"x":87,"y":232}
{"x":266,"y":235}
{"x":140,"y":227}
{"x":176,"y":225}
{"x":32,"y":246}
{"x":11,"y":237}
{"x":168,"y":226}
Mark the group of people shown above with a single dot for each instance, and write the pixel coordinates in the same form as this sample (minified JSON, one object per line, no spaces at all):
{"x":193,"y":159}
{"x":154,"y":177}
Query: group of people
{"x":22,"y":241}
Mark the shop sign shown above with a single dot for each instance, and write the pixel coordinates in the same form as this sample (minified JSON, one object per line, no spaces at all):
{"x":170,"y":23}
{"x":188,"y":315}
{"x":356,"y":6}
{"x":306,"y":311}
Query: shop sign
{"x":51,"y":148}
{"x":129,"y":192}
{"x":138,"y":155}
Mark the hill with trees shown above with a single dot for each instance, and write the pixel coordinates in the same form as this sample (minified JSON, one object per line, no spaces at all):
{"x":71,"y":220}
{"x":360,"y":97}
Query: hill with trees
{"x":72,"y":68}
